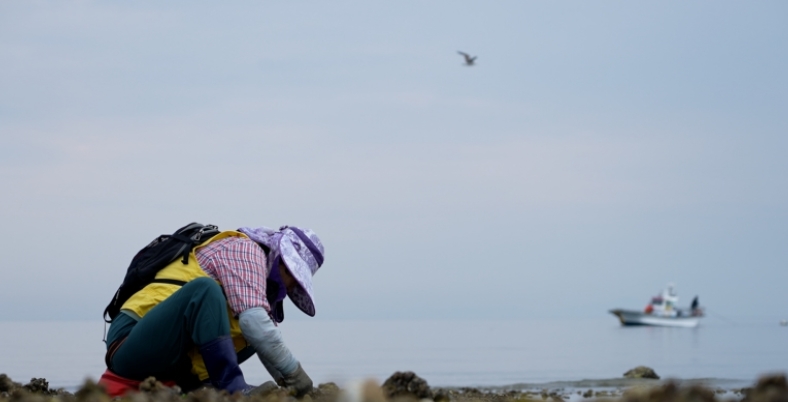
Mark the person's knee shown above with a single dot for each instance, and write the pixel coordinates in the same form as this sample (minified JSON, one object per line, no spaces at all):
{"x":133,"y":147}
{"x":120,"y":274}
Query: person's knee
{"x":206,"y":310}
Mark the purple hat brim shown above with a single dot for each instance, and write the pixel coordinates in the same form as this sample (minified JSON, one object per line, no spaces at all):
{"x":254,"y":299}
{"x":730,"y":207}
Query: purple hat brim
{"x":301,"y":296}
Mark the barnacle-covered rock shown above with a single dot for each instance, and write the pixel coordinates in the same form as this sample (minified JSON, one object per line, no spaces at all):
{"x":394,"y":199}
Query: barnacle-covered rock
{"x":406,"y":384}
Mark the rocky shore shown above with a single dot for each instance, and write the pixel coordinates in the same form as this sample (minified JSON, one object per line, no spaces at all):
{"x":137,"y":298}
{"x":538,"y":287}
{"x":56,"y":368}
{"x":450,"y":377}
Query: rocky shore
{"x":409,"y":387}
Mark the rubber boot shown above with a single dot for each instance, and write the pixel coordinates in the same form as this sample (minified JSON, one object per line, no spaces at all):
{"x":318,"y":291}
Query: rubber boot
{"x":222,"y":365}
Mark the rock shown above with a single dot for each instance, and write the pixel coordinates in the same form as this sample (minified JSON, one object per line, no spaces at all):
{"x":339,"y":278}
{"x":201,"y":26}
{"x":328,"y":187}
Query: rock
{"x":697,"y":393}
{"x":441,"y":396}
{"x":91,"y":392}
{"x":150,"y":385}
{"x":328,"y":391}
{"x":159,"y":392}
{"x":41,"y":386}
{"x":7,"y":385}
{"x":204,"y":394}
{"x":641,"y":372}
{"x":772,"y":388}
{"x":406,"y":384}
{"x":667,"y":392}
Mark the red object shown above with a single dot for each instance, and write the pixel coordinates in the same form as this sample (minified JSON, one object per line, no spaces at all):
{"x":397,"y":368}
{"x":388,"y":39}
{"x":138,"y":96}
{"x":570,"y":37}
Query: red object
{"x":649,"y":309}
{"x":116,"y":385}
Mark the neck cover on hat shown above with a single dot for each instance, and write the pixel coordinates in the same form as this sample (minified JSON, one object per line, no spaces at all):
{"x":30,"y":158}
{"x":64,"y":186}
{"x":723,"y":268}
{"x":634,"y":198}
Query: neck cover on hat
{"x":275,"y":290}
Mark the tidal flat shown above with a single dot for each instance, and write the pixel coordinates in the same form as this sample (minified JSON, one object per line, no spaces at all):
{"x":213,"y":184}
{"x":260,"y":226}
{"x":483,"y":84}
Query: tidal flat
{"x":409,"y":387}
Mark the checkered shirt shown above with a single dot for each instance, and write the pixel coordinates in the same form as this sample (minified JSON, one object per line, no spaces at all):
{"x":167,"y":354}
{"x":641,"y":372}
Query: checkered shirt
{"x":239,"y":264}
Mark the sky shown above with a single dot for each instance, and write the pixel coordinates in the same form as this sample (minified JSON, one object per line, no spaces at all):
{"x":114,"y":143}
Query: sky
{"x":594,"y":153}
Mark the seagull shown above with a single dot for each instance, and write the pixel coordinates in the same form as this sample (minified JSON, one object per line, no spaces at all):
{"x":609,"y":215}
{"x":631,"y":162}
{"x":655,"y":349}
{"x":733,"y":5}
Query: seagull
{"x":468,"y":59}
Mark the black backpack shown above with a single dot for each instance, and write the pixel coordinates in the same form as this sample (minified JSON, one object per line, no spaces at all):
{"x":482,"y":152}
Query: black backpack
{"x":152,"y":258}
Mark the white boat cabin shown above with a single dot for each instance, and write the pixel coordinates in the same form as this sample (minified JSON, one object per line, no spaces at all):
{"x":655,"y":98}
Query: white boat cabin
{"x":666,"y":305}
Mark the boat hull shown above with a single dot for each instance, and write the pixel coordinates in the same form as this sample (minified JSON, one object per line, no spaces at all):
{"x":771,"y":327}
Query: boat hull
{"x":629,"y":317}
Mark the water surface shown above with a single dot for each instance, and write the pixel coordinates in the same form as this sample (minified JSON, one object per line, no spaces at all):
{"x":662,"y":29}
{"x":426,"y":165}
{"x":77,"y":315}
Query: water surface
{"x":447,"y":353}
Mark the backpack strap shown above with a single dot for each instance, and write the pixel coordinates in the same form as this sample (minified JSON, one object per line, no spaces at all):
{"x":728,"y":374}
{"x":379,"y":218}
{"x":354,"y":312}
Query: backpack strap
{"x":169,"y":281}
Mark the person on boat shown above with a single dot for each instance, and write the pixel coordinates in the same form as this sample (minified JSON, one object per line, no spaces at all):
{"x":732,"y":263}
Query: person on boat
{"x":695,"y":308}
{"x":227,"y":311}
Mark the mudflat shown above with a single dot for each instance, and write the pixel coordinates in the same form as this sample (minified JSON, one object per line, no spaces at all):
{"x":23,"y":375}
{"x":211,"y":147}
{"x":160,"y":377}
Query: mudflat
{"x":409,"y":387}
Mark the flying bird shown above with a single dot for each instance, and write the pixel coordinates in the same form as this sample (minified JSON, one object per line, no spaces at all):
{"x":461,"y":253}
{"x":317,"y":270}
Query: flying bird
{"x":469,"y":60}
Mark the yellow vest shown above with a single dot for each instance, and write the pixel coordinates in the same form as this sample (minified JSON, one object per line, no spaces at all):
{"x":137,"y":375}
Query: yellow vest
{"x":154,"y":293}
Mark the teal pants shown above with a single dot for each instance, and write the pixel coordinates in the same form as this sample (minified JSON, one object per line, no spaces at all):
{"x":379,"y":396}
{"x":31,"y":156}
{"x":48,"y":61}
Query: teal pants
{"x":158,"y":344}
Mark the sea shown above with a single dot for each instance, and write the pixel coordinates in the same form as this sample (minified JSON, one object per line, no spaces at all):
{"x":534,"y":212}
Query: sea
{"x":583,"y":353}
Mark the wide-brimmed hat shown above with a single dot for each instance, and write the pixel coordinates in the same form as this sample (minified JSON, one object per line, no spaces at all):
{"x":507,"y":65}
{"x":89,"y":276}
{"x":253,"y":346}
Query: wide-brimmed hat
{"x":302,"y":253}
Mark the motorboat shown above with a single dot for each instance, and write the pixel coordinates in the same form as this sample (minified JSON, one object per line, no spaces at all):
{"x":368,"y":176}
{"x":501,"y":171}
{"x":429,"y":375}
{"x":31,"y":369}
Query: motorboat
{"x":663,"y":310}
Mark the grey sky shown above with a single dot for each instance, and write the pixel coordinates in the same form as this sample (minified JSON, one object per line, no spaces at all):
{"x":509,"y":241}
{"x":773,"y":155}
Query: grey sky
{"x":597,"y":150}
